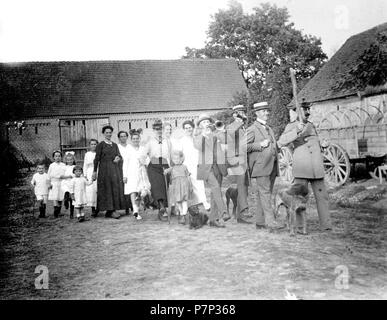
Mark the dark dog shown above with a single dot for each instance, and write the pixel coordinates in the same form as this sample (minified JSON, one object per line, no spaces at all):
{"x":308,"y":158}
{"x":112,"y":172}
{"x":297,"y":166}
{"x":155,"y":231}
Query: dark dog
{"x":232,"y":193}
{"x":295,"y":207}
{"x":196,"y":219}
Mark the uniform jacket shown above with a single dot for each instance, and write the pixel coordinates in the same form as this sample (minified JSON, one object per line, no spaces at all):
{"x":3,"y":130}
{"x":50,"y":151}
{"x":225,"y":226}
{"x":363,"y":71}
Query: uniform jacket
{"x":236,"y":148}
{"x":307,"y":157}
{"x":207,"y":146}
{"x":261,"y":160}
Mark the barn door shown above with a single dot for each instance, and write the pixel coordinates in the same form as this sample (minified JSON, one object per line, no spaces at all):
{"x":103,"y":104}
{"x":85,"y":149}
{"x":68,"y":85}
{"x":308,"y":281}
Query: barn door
{"x":75,"y":135}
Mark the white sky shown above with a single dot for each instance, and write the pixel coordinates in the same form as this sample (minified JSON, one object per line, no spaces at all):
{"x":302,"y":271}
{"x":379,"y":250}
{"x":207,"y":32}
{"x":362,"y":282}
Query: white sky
{"x":49,"y":30}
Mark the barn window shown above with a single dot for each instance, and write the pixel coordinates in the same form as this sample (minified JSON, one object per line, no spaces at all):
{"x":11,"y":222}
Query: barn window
{"x":146,"y":124}
{"x":130,"y":125}
{"x":83,"y":122}
{"x":338,"y":108}
{"x":36,"y":129}
{"x":176,"y":123}
{"x":73,"y":122}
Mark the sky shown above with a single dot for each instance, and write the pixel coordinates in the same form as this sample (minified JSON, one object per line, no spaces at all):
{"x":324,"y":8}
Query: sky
{"x":79,"y":30}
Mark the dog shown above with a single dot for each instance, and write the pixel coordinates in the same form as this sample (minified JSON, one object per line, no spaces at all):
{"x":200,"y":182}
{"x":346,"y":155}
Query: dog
{"x":295,"y":207}
{"x":196,"y":218}
{"x":232,"y":194}
{"x":145,"y":199}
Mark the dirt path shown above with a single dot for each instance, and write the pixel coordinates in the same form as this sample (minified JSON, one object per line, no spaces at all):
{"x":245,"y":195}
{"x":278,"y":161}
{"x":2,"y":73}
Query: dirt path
{"x":128,"y":259}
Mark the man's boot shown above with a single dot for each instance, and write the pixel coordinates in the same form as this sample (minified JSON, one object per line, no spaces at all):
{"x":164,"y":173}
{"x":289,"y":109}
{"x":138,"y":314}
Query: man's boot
{"x":71,"y":212}
{"x":56,"y":211}
{"x":41,"y":211}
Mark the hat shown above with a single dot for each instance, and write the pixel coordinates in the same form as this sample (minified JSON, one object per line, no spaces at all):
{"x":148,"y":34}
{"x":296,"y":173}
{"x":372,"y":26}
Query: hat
{"x":203,"y":117}
{"x":239,"y":107}
{"x":158,"y":124}
{"x":260,"y":106}
{"x":303,"y":104}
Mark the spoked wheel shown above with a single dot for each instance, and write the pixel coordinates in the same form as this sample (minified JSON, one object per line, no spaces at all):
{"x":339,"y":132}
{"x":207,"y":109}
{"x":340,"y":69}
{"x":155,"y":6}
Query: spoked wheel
{"x":285,"y":159}
{"x":336,"y":164}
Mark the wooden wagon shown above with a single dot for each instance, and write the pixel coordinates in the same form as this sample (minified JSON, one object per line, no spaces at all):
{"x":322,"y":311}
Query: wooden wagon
{"x":351,"y":131}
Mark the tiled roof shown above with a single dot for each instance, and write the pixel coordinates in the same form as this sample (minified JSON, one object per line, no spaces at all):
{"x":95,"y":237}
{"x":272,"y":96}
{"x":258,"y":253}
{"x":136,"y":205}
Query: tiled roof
{"x":322,"y":86}
{"x":106,"y":87}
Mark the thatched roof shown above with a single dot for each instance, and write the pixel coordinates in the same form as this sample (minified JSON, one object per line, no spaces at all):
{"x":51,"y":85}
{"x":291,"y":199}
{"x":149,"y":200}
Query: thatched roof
{"x":336,"y":78}
{"x":104,"y":87}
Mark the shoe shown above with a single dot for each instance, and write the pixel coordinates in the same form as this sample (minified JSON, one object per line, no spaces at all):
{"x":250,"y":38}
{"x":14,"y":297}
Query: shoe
{"x":240,"y":220}
{"x":226,"y":216}
{"x":217,"y":224}
{"x":115,"y":215}
{"x":260,"y":226}
{"x":137,"y":216}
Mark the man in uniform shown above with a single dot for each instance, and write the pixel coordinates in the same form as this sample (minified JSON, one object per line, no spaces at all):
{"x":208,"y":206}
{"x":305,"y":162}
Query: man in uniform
{"x":211,"y":166}
{"x":237,"y":159}
{"x":307,"y":162}
{"x":263,"y":165}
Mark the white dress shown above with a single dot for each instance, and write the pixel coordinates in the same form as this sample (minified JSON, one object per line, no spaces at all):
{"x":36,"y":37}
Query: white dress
{"x":40,"y":181}
{"x":131,"y":169}
{"x":78,"y":187}
{"x":191,"y":160}
{"x":91,"y":186}
{"x":55,"y":170}
{"x":66,"y":183}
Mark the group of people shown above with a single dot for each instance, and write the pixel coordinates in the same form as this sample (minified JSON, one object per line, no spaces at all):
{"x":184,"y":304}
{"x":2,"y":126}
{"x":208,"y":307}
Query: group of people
{"x":173,"y":173}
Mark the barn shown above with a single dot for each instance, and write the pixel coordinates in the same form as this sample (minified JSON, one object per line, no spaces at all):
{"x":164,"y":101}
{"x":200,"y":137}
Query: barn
{"x":349,"y":102}
{"x":64,"y":104}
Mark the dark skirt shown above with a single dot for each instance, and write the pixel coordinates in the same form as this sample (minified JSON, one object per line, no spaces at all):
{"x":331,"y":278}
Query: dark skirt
{"x":157,"y":181}
{"x":110,"y":194}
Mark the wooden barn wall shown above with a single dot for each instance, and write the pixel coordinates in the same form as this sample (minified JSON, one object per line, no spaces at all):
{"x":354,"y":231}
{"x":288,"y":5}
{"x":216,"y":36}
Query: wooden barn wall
{"x":42,"y":136}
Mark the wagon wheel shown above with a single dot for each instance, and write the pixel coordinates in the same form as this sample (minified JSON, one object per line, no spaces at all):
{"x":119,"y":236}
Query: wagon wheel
{"x":336,"y":164}
{"x":285,"y":160}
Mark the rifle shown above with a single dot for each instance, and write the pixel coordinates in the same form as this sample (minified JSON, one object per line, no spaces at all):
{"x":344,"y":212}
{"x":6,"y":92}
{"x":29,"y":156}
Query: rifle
{"x":294,"y":84}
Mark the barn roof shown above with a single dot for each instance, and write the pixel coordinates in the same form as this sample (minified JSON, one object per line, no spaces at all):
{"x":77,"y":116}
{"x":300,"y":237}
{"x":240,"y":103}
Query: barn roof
{"x":328,"y":83}
{"x":106,"y":87}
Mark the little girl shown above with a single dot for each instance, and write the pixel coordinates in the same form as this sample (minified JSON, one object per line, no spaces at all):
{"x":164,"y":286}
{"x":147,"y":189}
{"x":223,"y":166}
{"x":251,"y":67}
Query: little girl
{"x":181,"y":187}
{"x":55,"y":171}
{"x":88,"y":168}
{"x":66,"y":181}
{"x":78,"y":192}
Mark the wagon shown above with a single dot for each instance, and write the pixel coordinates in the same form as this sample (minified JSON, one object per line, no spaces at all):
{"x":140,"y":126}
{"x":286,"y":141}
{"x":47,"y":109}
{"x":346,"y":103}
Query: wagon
{"x":351,"y":132}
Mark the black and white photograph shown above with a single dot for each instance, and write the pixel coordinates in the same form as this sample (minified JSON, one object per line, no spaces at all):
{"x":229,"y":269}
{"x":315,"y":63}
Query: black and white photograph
{"x":182,"y":150}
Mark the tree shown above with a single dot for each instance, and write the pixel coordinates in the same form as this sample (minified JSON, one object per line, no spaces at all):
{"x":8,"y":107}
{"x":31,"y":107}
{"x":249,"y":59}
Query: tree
{"x":265,"y":45}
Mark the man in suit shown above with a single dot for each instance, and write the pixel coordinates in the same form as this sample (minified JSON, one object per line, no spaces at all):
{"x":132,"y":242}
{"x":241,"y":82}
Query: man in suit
{"x":263,"y":165}
{"x":308,"y":164}
{"x":212,"y":166}
{"x":237,"y":159}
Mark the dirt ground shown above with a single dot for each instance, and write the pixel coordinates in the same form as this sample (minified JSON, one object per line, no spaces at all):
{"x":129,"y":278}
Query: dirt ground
{"x":148,"y":259}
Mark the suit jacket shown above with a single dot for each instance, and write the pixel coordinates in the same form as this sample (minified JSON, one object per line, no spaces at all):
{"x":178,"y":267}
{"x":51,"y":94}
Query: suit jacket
{"x":236,"y":148}
{"x":261,"y":160}
{"x":307,"y":157}
{"x":206,"y":147}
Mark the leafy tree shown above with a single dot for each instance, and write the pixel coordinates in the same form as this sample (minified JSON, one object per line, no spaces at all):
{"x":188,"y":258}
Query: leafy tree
{"x":265,"y":45}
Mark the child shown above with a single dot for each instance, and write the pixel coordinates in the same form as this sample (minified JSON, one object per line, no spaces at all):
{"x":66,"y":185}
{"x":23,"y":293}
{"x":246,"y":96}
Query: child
{"x":181,"y":187}
{"x":40,"y":181}
{"x":88,"y":168}
{"x":78,"y":192}
{"x":66,"y":181}
{"x":55,"y":171}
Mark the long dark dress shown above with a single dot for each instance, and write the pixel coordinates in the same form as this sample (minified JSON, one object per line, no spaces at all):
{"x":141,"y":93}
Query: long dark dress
{"x":110,"y":188}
